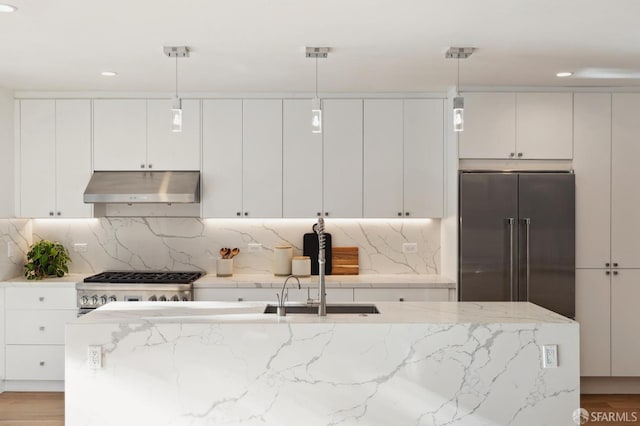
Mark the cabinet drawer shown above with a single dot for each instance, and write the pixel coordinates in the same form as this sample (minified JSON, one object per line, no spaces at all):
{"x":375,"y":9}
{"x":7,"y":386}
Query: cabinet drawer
{"x":401,"y":294}
{"x":41,"y":298}
{"x":35,"y":362}
{"x":37,"y":327}
{"x":249,"y":294}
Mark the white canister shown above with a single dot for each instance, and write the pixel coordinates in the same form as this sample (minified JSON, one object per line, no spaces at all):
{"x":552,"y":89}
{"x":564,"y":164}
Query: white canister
{"x":282,"y":256}
{"x":301,"y":266}
{"x":224,"y":267}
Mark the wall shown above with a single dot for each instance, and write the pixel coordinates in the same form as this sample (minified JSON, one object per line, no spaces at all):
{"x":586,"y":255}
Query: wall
{"x":189,"y":243}
{"x":7,"y":153}
{"x":15,"y":238}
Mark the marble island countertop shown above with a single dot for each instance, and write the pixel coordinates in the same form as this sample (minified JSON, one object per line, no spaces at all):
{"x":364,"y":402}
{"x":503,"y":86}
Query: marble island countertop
{"x":390,"y":313}
{"x":332,"y":281}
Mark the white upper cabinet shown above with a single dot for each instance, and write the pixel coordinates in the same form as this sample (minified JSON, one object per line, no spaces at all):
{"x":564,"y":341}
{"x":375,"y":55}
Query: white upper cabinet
{"x":302,"y":162}
{"x":592,"y":166}
{"x":119,"y":134}
{"x":342,"y":135}
{"x":383,"y":158}
{"x":625,"y":175}
{"x":55,"y":157}
{"x":423,"y":158}
{"x":135,"y":134}
{"x":222,"y":158}
{"x":167,"y":150}
{"x":527,"y":126}
{"x":262,"y":158}
{"x":489,"y":126}
{"x":544,"y":125}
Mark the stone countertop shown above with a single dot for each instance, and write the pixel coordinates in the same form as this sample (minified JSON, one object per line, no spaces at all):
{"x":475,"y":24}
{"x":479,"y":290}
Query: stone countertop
{"x":332,"y":281}
{"x":68,"y":280}
{"x":229,"y":313}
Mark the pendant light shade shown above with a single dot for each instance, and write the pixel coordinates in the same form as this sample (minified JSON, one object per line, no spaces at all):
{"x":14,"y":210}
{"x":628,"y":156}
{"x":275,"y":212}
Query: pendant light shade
{"x":458,"y":114}
{"x":458,"y":101}
{"x":176,"y":115}
{"x":316,"y":105}
{"x":176,"y":103}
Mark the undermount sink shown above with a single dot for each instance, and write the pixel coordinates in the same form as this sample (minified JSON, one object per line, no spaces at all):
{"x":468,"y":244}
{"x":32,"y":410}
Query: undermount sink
{"x":331,"y":309}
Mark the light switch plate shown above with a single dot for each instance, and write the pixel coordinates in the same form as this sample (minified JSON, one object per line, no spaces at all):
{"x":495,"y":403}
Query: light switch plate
{"x":11,"y":248}
{"x":80,"y":247}
{"x":409,"y":247}
{"x":254,"y":247}
{"x":550,"y":356}
{"x":94,"y":355}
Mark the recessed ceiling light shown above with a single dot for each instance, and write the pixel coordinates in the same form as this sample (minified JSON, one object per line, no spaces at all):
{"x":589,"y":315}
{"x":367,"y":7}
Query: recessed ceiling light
{"x":108,"y":73}
{"x":564,"y":74}
{"x":7,"y":8}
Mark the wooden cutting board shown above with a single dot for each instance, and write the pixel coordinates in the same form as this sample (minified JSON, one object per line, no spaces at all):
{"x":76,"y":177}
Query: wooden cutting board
{"x":345,"y":261}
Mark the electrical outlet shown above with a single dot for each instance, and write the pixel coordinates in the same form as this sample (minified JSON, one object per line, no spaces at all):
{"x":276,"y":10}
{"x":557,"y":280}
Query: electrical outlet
{"x":254,"y":247}
{"x":11,"y":248}
{"x":550,"y":356}
{"x":95,"y":357}
{"x":409,"y":247}
{"x":80,"y":247}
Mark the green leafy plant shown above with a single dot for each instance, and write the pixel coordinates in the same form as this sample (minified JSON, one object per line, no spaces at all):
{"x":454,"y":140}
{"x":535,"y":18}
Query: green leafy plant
{"x":46,"y":258}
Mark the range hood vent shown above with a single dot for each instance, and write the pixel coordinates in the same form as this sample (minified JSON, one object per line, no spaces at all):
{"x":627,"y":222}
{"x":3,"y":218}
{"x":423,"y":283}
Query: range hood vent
{"x":143,"y":187}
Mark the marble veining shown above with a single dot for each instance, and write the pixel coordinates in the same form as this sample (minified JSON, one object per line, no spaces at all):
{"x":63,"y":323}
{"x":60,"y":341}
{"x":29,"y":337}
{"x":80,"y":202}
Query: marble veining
{"x":16,"y":232}
{"x":193,"y":244}
{"x":420,"y":370}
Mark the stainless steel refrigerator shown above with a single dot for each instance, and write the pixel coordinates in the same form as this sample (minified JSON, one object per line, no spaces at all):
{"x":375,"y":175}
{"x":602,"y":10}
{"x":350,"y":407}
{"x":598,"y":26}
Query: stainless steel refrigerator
{"x":517,"y":238}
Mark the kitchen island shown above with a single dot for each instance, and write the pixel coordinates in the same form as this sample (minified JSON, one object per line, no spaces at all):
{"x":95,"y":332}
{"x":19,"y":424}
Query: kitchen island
{"x":412,"y":364}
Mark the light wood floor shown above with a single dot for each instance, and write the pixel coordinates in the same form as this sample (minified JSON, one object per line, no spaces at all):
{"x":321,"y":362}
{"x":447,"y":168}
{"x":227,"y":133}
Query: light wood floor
{"x":47,"y":408}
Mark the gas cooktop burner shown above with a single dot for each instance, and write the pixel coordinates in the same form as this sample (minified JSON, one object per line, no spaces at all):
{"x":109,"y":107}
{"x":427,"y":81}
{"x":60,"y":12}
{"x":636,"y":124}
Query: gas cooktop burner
{"x":150,"y":277}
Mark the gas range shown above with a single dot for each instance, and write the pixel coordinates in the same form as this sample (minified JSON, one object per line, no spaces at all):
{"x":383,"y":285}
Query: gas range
{"x":135,"y":286}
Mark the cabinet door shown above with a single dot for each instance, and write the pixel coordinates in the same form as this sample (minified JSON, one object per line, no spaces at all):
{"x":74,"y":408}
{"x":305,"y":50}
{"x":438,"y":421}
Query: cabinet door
{"x":73,"y":157}
{"x":625,"y":175}
{"x":592,"y":166}
{"x":302,"y":161}
{"x":593,"y":312}
{"x":342,"y":140}
{"x":625,"y":345}
{"x":37,"y":158}
{"x":2,"y":340}
{"x":423,"y":158}
{"x":167,"y":150}
{"x":544,"y":126}
{"x":262,"y":158}
{"x":383,"y":159}
{"x":119,"y":134}
{"x":489,"y":126}
{"x":222,"y":158}
{"x":401,"y":295}
{"x":249,"y":294}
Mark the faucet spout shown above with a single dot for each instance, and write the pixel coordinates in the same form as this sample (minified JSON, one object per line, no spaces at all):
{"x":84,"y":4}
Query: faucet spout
{"x":284,"y":295}
{"x":322,"y":293}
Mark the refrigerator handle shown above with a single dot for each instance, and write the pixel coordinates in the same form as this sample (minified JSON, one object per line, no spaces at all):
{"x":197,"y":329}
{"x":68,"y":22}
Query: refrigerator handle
{"x":527,"y":224}
{"x":511,"y":222}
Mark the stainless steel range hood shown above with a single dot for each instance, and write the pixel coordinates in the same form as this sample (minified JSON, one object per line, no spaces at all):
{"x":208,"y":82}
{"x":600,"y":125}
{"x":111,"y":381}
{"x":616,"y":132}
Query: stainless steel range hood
{"x":143,"y":187}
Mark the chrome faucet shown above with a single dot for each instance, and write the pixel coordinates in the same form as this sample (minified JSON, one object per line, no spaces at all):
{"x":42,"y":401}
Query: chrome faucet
{"x":322,"y":293}
{"x":285,"y":295}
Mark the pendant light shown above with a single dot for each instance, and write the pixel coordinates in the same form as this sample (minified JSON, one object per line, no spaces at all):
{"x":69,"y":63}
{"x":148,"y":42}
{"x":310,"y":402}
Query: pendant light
{"x":176,"y":103}
{"x":458,"y":101}
{"x":316,"y":107}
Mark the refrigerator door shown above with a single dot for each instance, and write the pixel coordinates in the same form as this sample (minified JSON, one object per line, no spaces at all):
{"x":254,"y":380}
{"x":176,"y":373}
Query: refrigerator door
{"x":547,"y":241}
{"x":488,"y":236}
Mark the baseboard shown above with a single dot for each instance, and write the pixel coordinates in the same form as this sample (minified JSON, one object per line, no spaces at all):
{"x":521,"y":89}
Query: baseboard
{"x":610,"y":385}
{"x":33,"y":386}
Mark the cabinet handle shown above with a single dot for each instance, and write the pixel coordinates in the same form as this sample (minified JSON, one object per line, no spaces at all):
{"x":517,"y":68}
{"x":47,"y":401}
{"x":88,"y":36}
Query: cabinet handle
{"x":150,"y":166}
{"x":608,"y":272}
{"x":607,"y":264}
{"x":326,"y":213}
{"x":41,"y":363}
{"x":41,"y":299}
{"x":318,"y":214}
{"x":407,"y":213}
{"x":59,"y":214}
{"x":615,"y":265}
{"x":401,"y":299}
{"x":399,"y":213}
{"x":50,"y":213}
{"x":519,"y":154}
{"x":246,"y":213}
{"x":615,"y":272}
{"x":240,"y":299}
{"x":512,"y":154}
{"x":42,"y":328}
{"x":142,"y":166}
{"x":238,"y":214}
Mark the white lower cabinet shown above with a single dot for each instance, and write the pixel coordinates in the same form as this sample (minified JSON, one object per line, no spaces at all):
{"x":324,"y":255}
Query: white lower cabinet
{"x":401,"y":295}
{"x":625,"y":345}
{"x":35,"y":318}
{"x":1,"y":334}
{"x":248,"y":294}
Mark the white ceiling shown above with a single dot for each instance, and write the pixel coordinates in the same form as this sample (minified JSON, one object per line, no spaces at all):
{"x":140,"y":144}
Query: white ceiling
{"x":258,"y":45}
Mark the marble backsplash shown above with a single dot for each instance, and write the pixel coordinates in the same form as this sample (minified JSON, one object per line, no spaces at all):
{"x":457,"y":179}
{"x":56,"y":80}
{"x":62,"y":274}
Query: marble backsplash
{"x":15,"y":239}
{"x":190,"y":243}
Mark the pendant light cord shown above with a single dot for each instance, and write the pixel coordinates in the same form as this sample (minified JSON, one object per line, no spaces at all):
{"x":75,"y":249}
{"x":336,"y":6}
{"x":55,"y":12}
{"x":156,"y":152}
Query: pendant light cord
{"x":458,"y":83}
{"x":316,"y":77}
{"x":176,"y":76}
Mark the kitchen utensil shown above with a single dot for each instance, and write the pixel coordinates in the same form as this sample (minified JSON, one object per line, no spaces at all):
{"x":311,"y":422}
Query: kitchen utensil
{"x":223,"y":252}
{"x":345,"y":261}
{"x":310,"y":248}
{"x":234,"y":253}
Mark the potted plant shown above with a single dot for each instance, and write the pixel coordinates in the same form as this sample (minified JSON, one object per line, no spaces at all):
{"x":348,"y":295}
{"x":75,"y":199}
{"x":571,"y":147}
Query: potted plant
{"x":46,"y":259}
